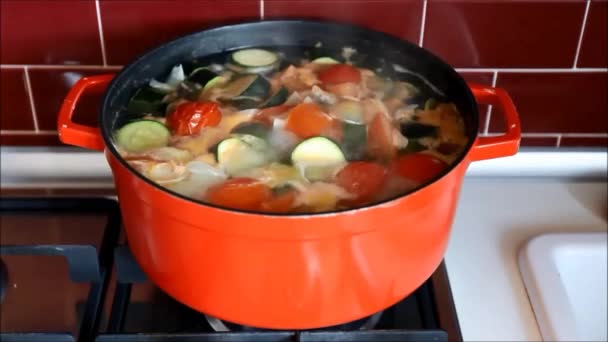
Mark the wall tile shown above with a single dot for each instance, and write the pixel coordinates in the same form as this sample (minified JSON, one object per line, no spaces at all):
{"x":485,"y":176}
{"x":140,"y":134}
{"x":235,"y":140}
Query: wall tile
{"x":15,"y":107}
{"x":558,"y":102}
{"x":584,"y":142}
{"x":504,"y":33}
{"x":49,"y":32}
{"x":29,"y":140}
{"x":50,"y":87}
{"x":539,"y":141}
{"x":594,"y":49}
{"x":133,"y":27}
{"x":400,"y":18}
{"x":484,"y":78}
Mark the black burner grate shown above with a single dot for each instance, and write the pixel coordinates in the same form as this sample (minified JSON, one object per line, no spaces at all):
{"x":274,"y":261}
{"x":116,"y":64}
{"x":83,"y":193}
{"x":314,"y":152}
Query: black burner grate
{"x":426,"y":315}
{"x":85,"y":263}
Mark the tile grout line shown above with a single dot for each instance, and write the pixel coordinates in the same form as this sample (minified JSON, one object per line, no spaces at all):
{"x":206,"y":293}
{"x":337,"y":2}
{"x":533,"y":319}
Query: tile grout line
{"x":26,"y":132}
{"x":533,"y":70}
{"x":102,"y":42}
{"x":581,"y":34}
{"x":30,"y":93}
{"x":473,"y":70}
{"x":261,"y":9}
{"x":527,"y":135}
{"x":59,"y":66}
{"x":486,"y":128}
{"x":422,"y":24}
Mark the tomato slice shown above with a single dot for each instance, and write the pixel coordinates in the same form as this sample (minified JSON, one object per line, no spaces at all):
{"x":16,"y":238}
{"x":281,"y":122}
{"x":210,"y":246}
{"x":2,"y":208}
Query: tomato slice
{"x":239,"y":193}
{"x":419,"y":167}
{"x":267,"y":115}
{"x":308,"y":120}
{"x":190,"y":117}
{"x":380,"y":138}
{"x":280,"y":203}
{"x":340,"y":73}
{"x":362,"y":179}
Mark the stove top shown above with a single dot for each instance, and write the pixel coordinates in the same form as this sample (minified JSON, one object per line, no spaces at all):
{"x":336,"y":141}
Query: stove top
{"x":67,"y":274}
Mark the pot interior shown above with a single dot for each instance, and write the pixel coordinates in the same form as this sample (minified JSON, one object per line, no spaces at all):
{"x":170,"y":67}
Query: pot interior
{"x":293,"y":37}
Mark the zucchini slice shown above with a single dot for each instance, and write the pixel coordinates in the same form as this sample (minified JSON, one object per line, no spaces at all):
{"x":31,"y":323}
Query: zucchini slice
{"x":189,"y":90}
{"x":146,"y":100}
{"x":317,"y":158}
{"x":257,"y":129}
{"x":253,"y":86}
{"x":241,"y":152}
{"x":278,"y":98}
{"x":254,"y":61}
{"x":141,"y":135}
{"x":201,"y":76}
{"x":324,"y":54}
{"x":349,"y":111}
{"x":354,"y":141}
{"x":325,"y":60}
{"x":418,"y":130}
{"x":245,"y":102}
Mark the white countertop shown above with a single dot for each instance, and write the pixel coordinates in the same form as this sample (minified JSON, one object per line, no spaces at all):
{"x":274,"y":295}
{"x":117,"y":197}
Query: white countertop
{"x":504,"y":203}
{"x":495,"y":217}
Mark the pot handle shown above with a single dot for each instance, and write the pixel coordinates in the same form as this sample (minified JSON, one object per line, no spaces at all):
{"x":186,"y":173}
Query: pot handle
{"x":503,"y":145}
{"x":75,"y":134}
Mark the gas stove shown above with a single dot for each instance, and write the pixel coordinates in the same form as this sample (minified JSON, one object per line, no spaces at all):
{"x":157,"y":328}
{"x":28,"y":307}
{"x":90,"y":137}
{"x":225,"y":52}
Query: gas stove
{"x":66,"y":274}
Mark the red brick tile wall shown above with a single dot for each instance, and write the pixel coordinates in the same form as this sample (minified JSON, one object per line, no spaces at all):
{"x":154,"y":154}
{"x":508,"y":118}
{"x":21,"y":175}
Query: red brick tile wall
{"x":552,"y":56}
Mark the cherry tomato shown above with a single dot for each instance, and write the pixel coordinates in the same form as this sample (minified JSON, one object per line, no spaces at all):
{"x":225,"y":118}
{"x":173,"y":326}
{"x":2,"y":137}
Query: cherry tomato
{"x":340,"y":73}
{"x":419,"y":167}
{"x":308,"y":120}
{"x":239,"y":193}
{"x":362,"y":179}
{"x":279,"y":203}
{"x":380,"y":137}
{"x":189,"y":117}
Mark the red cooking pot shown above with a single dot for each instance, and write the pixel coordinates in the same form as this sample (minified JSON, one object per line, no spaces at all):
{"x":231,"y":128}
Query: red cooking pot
{"x":295,"y":271}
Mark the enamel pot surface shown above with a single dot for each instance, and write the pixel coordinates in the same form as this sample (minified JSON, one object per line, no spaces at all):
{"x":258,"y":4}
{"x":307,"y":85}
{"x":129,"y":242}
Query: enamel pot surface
{"x":287,"y":271}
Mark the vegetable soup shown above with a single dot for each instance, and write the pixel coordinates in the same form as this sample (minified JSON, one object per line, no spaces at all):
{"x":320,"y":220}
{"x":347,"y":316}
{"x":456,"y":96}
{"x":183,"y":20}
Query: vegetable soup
{"x":260,"y":130}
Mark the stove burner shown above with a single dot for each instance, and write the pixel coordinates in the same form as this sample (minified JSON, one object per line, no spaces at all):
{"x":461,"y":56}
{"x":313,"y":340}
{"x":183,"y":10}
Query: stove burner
{"x":3,"y":280}
{"x":366,"y":323}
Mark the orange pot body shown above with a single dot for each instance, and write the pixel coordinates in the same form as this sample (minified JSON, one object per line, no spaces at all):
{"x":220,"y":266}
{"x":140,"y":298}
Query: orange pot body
{"x":287,"y":272}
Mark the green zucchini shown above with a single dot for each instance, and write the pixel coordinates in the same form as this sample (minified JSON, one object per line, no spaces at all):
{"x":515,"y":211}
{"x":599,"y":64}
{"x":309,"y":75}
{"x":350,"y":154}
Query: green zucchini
{"x":214,"y":82}
{"x":415,"y":130}
{"x":349,"y":111}
{"x":257,"y":129}
{"x":319,"y":52}
{"x":253,"y":61}
{"x":278,"y":98}
{"x":206,"y":78}
{"x":249,"y":86}
{"x":317,"y":158}
{"x":241,"y":152}
{"x":141,"y":135}
{"x":325,"y":60}
{"x":430,"y":104}
{"x":354,"y":141}
{"x":189,"y":90}
{"x":244,"y":102}
{"x":146,"y":100}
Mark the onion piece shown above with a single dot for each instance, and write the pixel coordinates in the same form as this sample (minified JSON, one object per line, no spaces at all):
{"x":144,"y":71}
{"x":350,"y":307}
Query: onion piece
{"x":167,"y":173}
{"x":201,"y":177}
{"x":176,"y":76}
